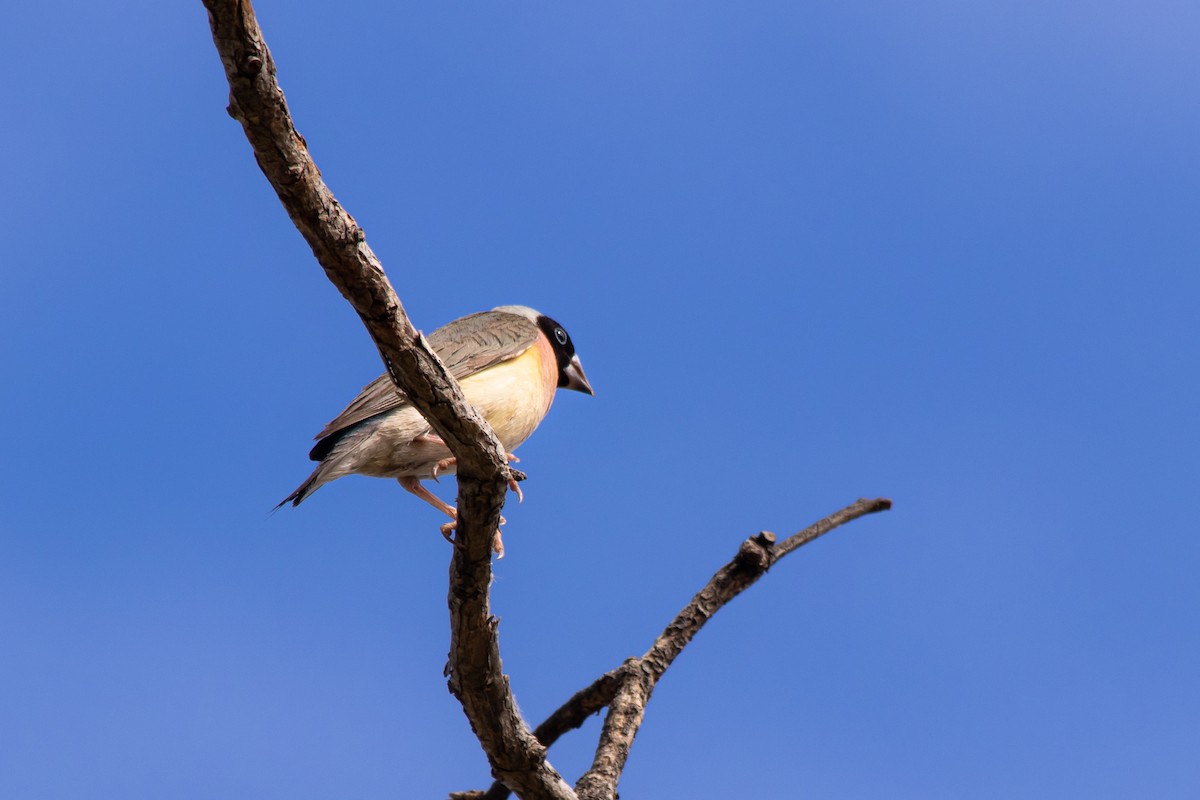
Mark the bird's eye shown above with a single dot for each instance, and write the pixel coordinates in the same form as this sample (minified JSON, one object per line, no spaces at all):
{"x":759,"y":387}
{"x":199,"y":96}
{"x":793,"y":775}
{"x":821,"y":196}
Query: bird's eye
{"x":561,"y":335}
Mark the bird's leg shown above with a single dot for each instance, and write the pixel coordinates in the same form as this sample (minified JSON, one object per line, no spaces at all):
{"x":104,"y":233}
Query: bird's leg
{"x":413,"y":485}
{"x":445,"y":463}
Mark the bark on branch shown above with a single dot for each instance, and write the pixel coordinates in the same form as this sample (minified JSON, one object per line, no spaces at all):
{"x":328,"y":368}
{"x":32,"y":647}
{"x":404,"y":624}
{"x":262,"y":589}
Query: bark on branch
{"x":516,"y":754}
{"x":339,"y":244}
{"x":626,"y":690}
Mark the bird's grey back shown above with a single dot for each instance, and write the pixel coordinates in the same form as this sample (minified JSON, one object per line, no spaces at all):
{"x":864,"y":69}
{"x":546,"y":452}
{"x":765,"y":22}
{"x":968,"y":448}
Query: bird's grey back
{"x":466,"y":346}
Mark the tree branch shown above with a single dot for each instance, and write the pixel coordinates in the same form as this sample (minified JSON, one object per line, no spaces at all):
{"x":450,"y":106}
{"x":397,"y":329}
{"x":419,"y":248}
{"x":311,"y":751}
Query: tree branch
{"x":754,"y":557}
{"x":627,"y":689}
{"x":340,"y":246}
{"x":517,"y":755}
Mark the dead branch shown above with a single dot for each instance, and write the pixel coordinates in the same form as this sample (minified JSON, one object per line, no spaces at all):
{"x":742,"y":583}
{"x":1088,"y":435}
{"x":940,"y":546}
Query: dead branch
{"x":517,"y":755}
{"x":627,"y":689}
{"x":475,"y":675}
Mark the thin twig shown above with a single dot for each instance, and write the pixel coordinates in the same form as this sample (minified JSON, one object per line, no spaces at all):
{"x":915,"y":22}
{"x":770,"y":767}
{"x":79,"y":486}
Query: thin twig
{"x":754,"y":557}
{"x":340,"y":246}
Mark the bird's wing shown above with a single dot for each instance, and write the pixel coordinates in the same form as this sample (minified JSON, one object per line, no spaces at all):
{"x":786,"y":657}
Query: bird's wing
{"x":476,"y":342}
{"x":467,"y":345}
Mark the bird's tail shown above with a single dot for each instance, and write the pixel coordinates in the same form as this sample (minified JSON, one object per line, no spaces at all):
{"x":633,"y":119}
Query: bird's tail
{"x":320,"y":476}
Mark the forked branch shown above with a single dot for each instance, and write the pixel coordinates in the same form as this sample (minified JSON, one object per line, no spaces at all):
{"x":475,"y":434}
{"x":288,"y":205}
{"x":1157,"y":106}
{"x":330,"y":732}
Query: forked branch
{"x":517,"y":755}
{"x":626,"y":690}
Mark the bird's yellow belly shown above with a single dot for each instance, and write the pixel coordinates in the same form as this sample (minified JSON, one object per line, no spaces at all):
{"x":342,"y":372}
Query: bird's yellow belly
{"x":514,"y":396}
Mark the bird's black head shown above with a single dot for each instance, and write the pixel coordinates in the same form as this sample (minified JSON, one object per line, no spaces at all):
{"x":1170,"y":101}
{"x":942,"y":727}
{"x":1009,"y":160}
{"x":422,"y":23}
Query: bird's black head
{"x":570,"y":371}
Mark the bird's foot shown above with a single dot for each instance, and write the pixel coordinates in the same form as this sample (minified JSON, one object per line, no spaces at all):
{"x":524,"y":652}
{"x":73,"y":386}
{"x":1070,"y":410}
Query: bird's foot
{"x":445,"y":463}
{"x":512,"y":482}
{"x":448,"y":528}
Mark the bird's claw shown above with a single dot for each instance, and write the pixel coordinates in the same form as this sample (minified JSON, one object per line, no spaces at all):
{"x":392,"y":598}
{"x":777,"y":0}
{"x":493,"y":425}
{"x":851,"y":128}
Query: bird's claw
{"x":445,"y":463}
{"x":497,"y":544}
{"x":448,"y":528}
{"x":512,"y":482}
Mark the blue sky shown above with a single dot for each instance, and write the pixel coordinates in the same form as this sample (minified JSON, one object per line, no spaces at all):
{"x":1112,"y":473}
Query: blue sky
{"x":941,"y":252}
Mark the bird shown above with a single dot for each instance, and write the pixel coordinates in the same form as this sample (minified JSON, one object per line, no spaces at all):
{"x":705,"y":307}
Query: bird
{"x":509,"y":361}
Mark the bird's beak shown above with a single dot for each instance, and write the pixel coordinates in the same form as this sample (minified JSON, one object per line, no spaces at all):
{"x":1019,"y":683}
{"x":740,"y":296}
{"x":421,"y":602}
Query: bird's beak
{"x":575,"y":378}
